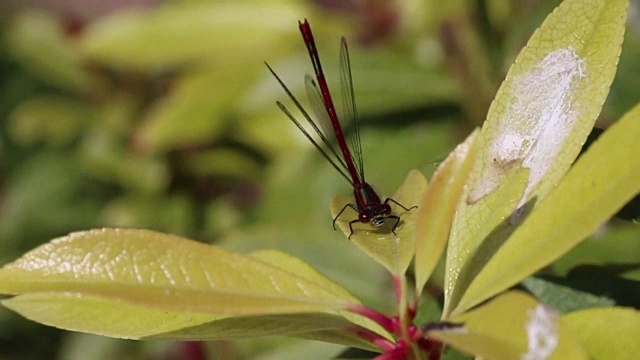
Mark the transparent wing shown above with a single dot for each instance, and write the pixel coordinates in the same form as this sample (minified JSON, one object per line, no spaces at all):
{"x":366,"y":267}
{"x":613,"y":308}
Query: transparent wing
{"x":332,"y":156}
{"x":318,"y":106}
{"x":349,"y":111}
{"x":322,"y":125}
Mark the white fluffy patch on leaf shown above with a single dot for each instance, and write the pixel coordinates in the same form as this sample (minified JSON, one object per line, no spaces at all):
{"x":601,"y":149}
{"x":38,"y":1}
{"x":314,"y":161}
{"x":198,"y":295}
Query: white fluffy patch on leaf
{"x":542,"y":334}
{"x":538,"y":118}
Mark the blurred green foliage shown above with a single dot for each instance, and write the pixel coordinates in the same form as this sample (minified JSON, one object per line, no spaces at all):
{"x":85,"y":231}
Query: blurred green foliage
{"x":164,"y":118}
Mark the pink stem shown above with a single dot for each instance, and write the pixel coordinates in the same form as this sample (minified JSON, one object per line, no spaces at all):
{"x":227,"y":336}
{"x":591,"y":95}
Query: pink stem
{"x":399,"y":353}
{"x":377,"y":317}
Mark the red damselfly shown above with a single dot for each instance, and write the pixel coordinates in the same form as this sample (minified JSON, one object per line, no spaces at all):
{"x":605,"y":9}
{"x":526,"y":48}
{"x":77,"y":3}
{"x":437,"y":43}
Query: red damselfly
{"x":351,"y":164}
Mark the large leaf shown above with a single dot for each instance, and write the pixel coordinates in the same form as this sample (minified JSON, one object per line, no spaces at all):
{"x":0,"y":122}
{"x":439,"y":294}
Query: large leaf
{"x":165,"y":272}
{"x":113,"y":318}
{"x":597,"y":186}
{"x":393,"y":251}
{"x":512,"y":326}
{"x":102,"y":316}
{"x":607,"y":333}
{"x":120,"y":319}
{"x":540,"y":117}
{"x":142,"y":284}
{"x":553,"y":93}
{"x":438,"y":205}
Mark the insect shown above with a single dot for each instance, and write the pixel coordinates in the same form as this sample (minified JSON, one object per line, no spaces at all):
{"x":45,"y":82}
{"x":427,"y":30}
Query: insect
{"x":351,"y":164}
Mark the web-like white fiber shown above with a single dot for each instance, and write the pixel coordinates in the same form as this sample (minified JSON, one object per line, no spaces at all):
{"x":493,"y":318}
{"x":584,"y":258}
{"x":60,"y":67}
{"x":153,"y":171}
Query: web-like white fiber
{"x":539,"y":116}
{"x":542,"y":334}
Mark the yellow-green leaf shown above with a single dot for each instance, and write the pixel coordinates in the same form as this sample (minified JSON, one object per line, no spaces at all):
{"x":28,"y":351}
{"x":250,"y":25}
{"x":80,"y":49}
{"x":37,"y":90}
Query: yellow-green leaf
{"x":167,"y":272}
{"x":607,"y":333}
{"x":539,"y":120}
{"x":120,"y":319}
{"x":338,"y":337}
{"x":468,"y":249}
{"x":512,"y":326}
{"x":301,"y":269}
{"x":102,"y":316}
{"x":600,"y":183}
{"x":552,"y":95}
{"x":438,"y":205}
{"x":393,"y":251}
{"x":263,"y":325}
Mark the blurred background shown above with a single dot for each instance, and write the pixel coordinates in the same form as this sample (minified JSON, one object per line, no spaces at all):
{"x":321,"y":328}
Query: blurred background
{"x":161,"y":115}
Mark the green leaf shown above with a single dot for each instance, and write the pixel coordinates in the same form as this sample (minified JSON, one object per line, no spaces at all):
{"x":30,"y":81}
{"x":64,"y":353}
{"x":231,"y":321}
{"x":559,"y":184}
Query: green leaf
{"x":562,"y":296}
{"x":59,"y":203}
{"x":194,"y":111}
{"x":170,"y":213}
{"x":539,"y":120}
{"x":438,"y":206}
{"x":106,"y":159}
{"x":385,"y":82}
{"x":608,"y":333}
{"x":393,"y":251}
{"x":605,"y":281}
{"x":224,"y":162}
{"x":167,"y":272}
{"x":55,"y":120}
{"x":615,"y":245}
{"x":512,"y":326}
{"x":600,"y":182}
{"x":180,"y":33}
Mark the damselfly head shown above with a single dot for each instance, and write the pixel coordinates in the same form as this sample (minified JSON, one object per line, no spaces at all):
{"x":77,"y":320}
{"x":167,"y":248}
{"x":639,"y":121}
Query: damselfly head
{"x":378,"y":220}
